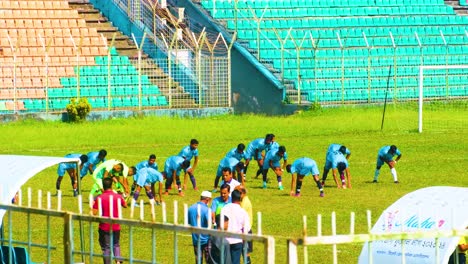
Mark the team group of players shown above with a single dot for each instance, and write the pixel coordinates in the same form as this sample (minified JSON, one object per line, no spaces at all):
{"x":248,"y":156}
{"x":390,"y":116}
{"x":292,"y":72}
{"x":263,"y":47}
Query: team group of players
{"x":265,"y":151}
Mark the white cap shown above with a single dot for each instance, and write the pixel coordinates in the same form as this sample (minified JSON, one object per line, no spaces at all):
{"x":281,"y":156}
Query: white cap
{"x":206,"y":194}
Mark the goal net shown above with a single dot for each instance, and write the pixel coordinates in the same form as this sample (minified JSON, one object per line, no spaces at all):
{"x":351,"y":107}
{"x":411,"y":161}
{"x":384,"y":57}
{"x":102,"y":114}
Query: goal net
{"x":443,"y":97}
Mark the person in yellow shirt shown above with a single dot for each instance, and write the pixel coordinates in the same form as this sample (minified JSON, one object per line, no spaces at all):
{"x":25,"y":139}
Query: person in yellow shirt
{"x":247,"y":206}
{"x":460,"y":251}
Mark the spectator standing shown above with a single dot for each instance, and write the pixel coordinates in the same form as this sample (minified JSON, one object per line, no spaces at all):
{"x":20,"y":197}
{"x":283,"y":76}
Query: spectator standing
{"x":199,"y":216}
{"x":239,"y":222}
{"x":105,"y":202}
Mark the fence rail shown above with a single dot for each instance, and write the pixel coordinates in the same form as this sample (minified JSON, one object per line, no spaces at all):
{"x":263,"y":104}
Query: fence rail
{"x":43,"y":239}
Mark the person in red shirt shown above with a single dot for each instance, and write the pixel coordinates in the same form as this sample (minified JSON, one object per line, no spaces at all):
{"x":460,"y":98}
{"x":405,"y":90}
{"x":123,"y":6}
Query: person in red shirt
{"x":103,"y":203}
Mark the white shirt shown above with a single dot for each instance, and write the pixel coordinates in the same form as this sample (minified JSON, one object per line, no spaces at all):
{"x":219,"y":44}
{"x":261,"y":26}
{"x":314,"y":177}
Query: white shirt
{"x":239,"y":221}
{"x":232,"y":185}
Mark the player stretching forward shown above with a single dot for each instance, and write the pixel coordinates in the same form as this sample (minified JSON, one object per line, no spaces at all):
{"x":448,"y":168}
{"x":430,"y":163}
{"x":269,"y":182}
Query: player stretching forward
{"x":332,"y":151}
{"x":385,"y":155}
{"x":188,"y":153}
{"x":337,"y":161}
{"x":146,"y":178}
{"x":303,"y":167}
{"x":272,"y":161}
{"x":172,"y":168}
{"x":255,"y":149}
{"x":70,"y":168}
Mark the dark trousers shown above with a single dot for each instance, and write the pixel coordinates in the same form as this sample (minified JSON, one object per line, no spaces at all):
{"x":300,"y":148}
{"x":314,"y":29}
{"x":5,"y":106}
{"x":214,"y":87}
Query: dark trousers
{"x":236,"y":252}
{"x":205,"y":253}
{"x":105,"y":242}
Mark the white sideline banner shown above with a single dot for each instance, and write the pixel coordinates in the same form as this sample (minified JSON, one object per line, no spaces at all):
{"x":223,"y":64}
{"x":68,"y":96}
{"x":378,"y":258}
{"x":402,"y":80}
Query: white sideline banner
{"x":429,"y":209}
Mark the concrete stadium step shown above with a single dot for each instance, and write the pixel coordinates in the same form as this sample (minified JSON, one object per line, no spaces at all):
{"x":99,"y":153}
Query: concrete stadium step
{"x":126,"y":47}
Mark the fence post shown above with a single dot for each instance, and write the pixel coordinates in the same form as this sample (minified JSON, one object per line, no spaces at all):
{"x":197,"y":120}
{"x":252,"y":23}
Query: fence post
{"x":67,"y":238}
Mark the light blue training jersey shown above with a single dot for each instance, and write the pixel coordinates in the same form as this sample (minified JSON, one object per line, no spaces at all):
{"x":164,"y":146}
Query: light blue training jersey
{"x":188,"y":153}
{"x":145,"y":164}
{"x":258,"y":145}
{"x":64,"y":166}
{"x":93,"y":158}
{"x":227,"y":162}
{"x":173,"y":163}
{"x":272,"y":156}
{"x":305,"y":166}
{"x":383,"y":153}
{"x":234,"y":154}
{"x":334,"y":149}
{"x":194,"y":217}
{"x":147,"y":176}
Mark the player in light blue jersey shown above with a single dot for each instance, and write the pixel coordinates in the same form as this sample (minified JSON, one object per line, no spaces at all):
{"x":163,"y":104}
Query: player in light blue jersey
{"x":303,"y":167}
{"x":189,"y":152}
{"x":172,"y":168}
{"x":386,"y":155}
{"x":255,"y":150}
{"x":234,"y":165}
{"x":70,"y":168}
{"x":147,"y":178}
{"x":94,"y":158}
{"x":333,"y":150}
{"x":336,"y":153}
{"x":237,"y":153}
{"x":150,"y":163}
{"x":272,"y":161}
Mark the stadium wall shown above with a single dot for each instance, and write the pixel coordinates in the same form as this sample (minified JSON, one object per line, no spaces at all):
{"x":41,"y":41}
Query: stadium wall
{"x":255,"y":89}
{"x":100,"y":115}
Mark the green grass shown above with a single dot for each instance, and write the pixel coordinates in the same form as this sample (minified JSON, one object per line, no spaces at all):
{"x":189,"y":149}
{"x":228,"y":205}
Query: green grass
{"x":435,"y":157}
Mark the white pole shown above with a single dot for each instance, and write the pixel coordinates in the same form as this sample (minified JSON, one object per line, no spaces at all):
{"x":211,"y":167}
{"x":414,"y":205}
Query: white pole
{"x":351,"y":225}
{"x":80,"y":205}
{"x":59,"y":200}
{"x":420,"y":111}
{"x":142,"y":210}
{"x":186,"y":214}
{"x":48,"y":201}
{"x":39,"y":199}
{"x":91,"y":203}
{"x":29,"y":197}
{"x":163,"y":207}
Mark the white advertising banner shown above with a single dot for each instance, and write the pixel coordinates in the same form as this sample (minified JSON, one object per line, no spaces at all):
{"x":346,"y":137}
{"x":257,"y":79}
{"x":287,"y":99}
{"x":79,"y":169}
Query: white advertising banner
{"x":429,"y":209}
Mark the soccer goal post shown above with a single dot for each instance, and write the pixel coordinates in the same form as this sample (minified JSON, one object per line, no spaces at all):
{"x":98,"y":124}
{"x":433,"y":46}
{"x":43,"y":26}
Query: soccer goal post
{"x":448,"y":82}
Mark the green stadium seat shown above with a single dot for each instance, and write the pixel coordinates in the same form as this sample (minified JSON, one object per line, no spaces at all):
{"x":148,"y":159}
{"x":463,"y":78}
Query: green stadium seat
{"x":162,"y":101}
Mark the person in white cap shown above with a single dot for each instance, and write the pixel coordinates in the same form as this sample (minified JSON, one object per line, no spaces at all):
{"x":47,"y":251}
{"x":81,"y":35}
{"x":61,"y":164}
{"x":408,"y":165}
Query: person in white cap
{"x":199,"y":216}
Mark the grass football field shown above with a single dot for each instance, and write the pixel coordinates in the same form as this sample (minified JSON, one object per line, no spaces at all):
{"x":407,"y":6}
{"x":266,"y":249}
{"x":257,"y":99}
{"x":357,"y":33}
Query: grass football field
{"x":436,"y":157}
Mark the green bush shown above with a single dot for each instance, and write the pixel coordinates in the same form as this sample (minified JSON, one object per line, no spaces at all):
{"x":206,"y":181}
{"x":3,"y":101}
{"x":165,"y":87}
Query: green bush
{"x":78,"y":109}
